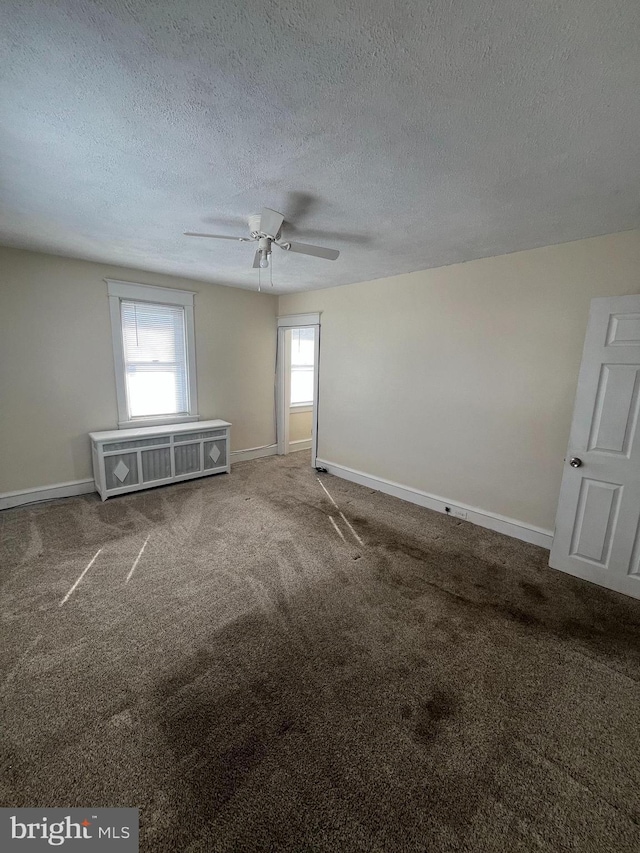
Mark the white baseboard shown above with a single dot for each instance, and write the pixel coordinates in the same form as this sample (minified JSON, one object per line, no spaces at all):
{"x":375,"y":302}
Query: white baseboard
{"x":254,"y":453}
{"x":85,"y":487}
{"x":483,"y":518}
{"x":300,"y":444}
{"x":46,"y":493}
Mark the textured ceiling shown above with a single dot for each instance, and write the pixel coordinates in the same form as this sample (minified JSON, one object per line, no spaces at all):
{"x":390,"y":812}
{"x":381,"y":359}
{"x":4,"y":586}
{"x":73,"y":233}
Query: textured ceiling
{"x":407,"y":134}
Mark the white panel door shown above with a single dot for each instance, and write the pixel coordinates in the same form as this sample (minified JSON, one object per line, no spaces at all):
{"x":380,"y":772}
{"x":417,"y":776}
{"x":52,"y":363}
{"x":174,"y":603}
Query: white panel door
{"x":597,"y":534}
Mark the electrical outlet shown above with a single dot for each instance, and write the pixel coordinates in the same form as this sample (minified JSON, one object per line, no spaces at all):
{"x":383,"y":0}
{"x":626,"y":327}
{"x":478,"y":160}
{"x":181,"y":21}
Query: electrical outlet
{"x":458,"y":513}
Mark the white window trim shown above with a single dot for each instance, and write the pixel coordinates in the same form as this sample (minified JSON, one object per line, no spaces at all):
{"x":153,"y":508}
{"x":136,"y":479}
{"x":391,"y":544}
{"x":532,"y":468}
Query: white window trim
{"x":301,"y":407}
{"x":294,"y":321}
{"x":165,"y":295}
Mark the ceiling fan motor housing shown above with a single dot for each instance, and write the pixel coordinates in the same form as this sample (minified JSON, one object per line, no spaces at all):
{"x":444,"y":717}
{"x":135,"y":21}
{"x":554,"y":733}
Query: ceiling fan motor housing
{"x":258,"y":230}
{"x":254,"y":225}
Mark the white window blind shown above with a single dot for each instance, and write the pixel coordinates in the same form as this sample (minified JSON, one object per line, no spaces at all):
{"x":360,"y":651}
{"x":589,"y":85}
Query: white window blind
{"x":302,"y":352}
{"x":155,"y":359}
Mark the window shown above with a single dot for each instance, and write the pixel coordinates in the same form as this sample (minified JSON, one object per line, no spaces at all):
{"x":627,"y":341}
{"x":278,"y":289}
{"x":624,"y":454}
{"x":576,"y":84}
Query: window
{"x":154,"y":354}
{"x":302,"y":350}
{"x":155,"y":359}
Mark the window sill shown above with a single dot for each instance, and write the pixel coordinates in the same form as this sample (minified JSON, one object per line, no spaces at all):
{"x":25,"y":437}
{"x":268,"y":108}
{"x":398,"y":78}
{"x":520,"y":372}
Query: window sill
{"x":148,"y":422}
{"x":301,"y":407}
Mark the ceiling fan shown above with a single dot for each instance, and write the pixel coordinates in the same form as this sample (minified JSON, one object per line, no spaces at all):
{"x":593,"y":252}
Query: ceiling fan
{"x":265,"y":228}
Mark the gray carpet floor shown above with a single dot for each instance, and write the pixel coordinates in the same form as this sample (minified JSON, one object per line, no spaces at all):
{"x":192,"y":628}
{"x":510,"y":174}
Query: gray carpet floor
{"x":285,"y":673}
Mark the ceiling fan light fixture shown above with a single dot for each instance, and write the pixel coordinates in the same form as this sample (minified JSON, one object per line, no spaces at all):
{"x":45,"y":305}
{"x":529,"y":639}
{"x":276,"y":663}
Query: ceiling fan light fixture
{"x":264,"y":249}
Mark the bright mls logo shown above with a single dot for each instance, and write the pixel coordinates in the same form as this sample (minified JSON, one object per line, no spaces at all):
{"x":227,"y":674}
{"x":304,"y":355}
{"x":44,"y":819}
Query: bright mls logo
{"x":73,"y":829}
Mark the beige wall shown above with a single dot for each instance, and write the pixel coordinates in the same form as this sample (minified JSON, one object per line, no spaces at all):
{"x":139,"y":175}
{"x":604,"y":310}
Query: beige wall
{"x":300,"y":425}
{"x":460,"y":381}
{"x":56,"y":363}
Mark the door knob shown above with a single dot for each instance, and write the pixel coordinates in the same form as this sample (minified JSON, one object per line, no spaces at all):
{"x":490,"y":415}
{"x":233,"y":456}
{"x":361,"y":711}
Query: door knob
{"x":575,"y":462}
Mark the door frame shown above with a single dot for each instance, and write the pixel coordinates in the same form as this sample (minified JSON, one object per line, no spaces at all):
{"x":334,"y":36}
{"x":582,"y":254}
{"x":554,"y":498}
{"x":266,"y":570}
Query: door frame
{"x":295,"y":321}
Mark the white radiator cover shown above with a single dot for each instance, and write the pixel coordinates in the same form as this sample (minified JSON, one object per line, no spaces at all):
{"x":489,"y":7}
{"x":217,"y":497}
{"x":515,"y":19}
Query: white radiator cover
{"x":132,"y":459}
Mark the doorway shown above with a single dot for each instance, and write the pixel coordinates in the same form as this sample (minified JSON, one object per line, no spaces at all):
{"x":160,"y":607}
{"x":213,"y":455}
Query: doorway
{"x":297,"y":383}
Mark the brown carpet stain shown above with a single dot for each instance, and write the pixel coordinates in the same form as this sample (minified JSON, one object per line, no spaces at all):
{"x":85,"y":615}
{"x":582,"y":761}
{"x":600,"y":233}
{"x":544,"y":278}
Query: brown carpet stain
{"x":441,"y":705}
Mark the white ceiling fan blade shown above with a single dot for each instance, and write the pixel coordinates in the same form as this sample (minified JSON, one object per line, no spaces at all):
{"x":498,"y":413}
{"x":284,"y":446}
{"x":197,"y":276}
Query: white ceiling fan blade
{"x":271,"y":222}
{"x":217,"y":236}
{"x":316,"y":251}
{"x":256,"y":259}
